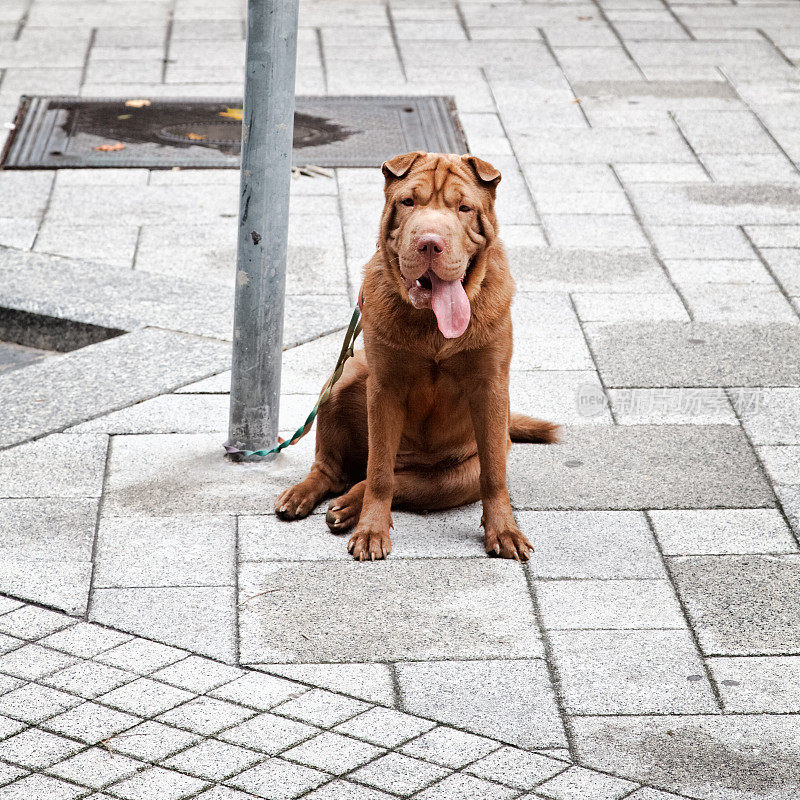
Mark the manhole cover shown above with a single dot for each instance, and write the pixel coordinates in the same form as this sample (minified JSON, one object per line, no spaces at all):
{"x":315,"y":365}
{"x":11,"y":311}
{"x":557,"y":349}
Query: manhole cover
{"x":72,"y":132}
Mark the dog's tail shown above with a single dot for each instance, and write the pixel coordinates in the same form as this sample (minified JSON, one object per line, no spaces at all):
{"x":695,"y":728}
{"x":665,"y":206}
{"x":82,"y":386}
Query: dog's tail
{"x":529,"y":429}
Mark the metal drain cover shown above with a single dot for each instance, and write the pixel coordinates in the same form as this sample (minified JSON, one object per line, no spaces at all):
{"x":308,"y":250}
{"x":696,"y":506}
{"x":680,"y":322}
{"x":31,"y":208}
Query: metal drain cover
{"x":74,"y":132}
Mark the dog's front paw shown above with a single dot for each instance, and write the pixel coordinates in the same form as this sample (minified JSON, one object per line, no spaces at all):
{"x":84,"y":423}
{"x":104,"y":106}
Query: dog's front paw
{"x":369,"y":544}
{"x":296,"y":502}
{"x":507,"y":542}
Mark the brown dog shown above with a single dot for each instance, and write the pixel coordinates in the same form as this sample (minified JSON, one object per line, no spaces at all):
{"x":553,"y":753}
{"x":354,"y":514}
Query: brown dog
{"x":423,"y":411}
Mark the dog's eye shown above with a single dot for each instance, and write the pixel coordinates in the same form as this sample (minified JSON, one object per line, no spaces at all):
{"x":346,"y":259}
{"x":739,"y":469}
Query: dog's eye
{"x":464,"y":209}
{"x":409,"y":201}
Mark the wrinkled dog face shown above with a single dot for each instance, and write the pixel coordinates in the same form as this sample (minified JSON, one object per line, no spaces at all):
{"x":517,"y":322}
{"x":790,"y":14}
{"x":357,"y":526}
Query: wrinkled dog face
{"x":439,"y":215}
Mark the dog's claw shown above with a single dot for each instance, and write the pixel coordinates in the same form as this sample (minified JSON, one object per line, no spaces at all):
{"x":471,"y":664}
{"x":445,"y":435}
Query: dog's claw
{"x":497,"y":548}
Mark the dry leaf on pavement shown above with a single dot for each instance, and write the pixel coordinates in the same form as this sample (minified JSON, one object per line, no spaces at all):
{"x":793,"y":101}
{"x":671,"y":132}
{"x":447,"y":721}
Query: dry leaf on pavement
{"x":138,"y":103}
{"x":107,"y":148}
{"x":232,"y":113}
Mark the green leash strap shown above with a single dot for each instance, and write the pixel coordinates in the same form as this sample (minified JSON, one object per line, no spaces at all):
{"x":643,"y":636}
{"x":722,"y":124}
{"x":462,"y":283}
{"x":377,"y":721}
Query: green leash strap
{"x":353,"y":329}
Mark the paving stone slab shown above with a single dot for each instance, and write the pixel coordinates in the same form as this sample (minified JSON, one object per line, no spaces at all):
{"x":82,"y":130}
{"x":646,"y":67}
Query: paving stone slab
{"x":723,"y":532}
{"x":741,"y":605}
{"x":102,"y":378}
{"x":590,"y":544}
{"x":770,"y":416}
{"x":179,"y":474}
{"x":508,"y":700}
{"x":607,"y":270}
{"x":371,"y":682}
{"x":631,"y":672}
{"x":608,"y":604}
{"x":700,"y":354}
{"x":707,"y":757}
{"x":755,"y":685}
{"x":200,"y":618}
{"x":474,"y":608}
{"x":164,"y":551}
{"x":639,"y":466}
{"x":426,"y":609}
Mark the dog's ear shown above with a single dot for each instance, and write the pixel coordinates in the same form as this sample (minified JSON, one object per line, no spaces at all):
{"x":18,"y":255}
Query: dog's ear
{"x":399,"y":166}
{"x":484,"y":170}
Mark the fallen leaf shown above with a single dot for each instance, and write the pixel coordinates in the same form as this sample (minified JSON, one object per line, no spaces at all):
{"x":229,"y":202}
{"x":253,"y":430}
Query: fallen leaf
{"x":576,"y":100}
{"x":196,"y":137}
{"x":124,"y":116}
{"x":107,"y":148}
{"x":232,"y":113}
{"x":138,"y":103}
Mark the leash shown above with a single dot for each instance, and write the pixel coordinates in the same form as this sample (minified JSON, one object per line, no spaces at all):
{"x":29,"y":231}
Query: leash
{"x":353,"y":329}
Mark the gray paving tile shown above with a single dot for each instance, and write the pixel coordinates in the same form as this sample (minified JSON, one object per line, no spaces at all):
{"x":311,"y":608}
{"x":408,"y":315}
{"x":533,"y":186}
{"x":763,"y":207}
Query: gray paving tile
{"x":399,"y":774}
{"x":164,"y":551}
{"x":55,"y":466}
{"x":332,"y":752}
{"x":608,"y":604}
{"x":449,"y":747}
{"x":101,"y":378}
{"x":741,"y":605}
{"x":371,"y":682}
{"x":554,"y":395}
{"x":722,"y":532}
{"x":701,"y":354}
{"x":345,"y":790}
{"x":714,"y":757}
{"x":60,"y":584}
{"x":41,"y":786}
{"x":621,"y":307}
{"x":48,"y":529}
{"x":577,"y":782}
{"x":385,"y":727}
{"x":140,"y":655}
{"x":37,"y":749}
{"x":259,"y":691}
{"x":605,"y":270}
{"x":460,"y":786}
{"x":279,"y":779}
{"x":700,"y":241}
{"x":199,"y":618}
{"x":671,"y":406}
{"x":205,"y":715}
{"x":770,"y":416}
{"x":89,"y":722}
{"x":508,"y":700}
{"x":268,"y":733}
{"x":320,"y":707}
{"x":168,"y":413}
{"x":197,"y":674}
{"x":603,"y":467}
{"x":631,"y":672}
{"x":96,"y":767}
{"x":766,"y":684}
{"x":179,"y":474}
{"x":151,"y":741}
{"x":214,"y":760}
{"x":590,"y":544}
{"x":158,"y":782}
{"x":517,"y":768}
{"x":449,"y":608}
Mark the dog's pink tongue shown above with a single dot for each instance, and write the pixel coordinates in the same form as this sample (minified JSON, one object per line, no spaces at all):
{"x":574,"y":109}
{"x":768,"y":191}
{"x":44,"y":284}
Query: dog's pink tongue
{"x":451,"y":306}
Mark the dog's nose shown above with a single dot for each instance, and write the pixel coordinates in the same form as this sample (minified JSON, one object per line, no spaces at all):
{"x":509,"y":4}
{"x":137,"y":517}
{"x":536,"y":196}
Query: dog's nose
{"x":430,"y":243}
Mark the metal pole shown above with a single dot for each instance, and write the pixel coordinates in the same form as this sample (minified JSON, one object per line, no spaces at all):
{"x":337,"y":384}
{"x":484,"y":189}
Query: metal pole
{"x":267,"y":130}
